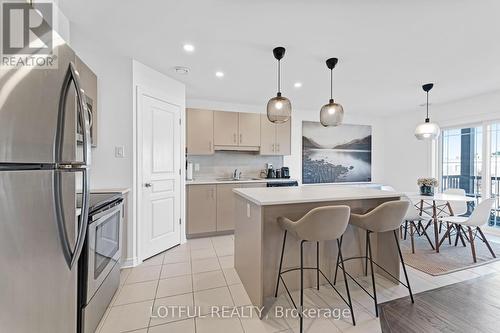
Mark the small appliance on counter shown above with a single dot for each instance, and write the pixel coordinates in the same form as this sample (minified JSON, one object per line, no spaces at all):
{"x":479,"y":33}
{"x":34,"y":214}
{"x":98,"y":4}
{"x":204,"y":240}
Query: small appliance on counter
{"x":270,"y":171}
{"x":285,"y":172}
{"x":189,"y":171}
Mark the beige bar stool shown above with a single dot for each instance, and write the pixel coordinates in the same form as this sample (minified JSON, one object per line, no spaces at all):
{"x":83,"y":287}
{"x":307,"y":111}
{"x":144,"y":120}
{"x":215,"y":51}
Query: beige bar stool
{"x":385,"y":217}
{"x":319,"y":224}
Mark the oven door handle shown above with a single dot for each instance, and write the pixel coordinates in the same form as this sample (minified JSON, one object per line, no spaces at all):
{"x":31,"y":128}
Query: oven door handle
{"x":101,"y":217}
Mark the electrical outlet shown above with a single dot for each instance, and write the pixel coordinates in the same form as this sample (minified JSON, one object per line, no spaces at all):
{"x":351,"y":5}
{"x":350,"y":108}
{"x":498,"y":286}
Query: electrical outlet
{"x":197,"y":167}
{"x":119,"y":151}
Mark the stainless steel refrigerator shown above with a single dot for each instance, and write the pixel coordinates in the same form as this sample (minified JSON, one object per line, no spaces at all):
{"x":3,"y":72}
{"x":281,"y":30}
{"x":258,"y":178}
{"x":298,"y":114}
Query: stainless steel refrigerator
{"x":41,"y":233}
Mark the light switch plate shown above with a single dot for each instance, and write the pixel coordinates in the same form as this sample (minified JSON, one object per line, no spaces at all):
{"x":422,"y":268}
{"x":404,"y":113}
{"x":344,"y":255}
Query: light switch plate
{"x":119,"y":151}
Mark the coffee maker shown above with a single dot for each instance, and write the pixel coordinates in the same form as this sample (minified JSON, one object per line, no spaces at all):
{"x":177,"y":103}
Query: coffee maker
{"x":270,"y":171}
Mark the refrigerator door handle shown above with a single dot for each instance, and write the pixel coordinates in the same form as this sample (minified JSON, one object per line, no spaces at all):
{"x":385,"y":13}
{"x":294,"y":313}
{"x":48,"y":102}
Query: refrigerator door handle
{"x":72,"y":76}
{"x":71,"y":257}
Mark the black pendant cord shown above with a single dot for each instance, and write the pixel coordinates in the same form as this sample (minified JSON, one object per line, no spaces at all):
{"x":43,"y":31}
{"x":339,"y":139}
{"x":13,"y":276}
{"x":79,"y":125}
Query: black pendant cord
{"x":331,"y":84}
{"x":427,"y":106}
{"x":279,"y":77}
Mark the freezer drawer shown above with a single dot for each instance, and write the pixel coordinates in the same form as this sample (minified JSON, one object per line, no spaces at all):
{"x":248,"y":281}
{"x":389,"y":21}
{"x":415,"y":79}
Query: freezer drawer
{"x":38,"y":290}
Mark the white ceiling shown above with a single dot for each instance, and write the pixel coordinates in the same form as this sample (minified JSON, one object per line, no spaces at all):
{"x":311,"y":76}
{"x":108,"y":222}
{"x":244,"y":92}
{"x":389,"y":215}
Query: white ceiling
{"x":387,"y":48}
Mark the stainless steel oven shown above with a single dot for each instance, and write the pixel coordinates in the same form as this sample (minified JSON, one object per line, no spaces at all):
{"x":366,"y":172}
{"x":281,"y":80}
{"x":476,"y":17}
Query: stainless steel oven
{"x":104,"y":248}
{"x":100,"y":263}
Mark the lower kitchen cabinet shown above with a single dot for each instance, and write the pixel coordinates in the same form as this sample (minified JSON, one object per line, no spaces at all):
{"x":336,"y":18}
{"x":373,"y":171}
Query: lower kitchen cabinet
{"x":210,"y":208}
{"x":226,"y":203}
{"x":201,"y":209}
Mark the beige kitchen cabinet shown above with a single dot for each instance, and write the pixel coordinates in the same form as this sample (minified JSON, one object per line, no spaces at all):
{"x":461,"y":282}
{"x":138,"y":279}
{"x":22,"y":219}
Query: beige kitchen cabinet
{"x":201,"y":209}
{"x":200,"y":132}
{"x":226,"y":203}
{"x":225,"y":128}
{"x":283,"y":138}
{"x":275,"y":139}
{"x":249,"y":129}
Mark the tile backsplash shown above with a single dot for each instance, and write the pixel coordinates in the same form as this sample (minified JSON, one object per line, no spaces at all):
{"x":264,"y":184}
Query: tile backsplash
{"x":223,"y":163}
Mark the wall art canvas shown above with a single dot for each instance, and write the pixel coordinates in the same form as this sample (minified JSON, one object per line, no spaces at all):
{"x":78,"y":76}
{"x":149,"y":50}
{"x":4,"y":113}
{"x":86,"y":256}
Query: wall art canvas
{"x":337,"y":154}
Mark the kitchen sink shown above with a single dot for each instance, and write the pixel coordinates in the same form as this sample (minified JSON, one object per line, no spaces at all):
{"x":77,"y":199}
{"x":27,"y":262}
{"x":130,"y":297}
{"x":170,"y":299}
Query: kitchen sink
{"x":227,"y":179}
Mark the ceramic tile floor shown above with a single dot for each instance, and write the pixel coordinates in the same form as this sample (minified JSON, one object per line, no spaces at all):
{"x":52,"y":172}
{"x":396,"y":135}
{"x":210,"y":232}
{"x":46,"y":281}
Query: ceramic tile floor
{"x":201,"y":273}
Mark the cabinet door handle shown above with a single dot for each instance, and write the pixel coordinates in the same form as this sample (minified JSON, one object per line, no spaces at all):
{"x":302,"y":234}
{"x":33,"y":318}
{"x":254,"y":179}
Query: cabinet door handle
{"x":241,"y":138}
{"x":234,"y":138}
{"x":273,"y":147}
{"x":210,"y":145}
{"x":278,"y":147}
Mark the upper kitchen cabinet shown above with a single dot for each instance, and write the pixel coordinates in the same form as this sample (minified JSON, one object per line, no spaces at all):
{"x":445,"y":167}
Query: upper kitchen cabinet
{"x":225,"y":129}
{"x":88,"y":81}
{"x":249,"y":129}
{"x":200,"y":132}
{"x":275,"y":139}
{"x":236,"y":131}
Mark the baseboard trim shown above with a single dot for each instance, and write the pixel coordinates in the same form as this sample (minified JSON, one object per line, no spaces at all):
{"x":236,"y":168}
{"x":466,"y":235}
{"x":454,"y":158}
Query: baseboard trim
{"x":130,"y":262}
{"x":210,"y":234}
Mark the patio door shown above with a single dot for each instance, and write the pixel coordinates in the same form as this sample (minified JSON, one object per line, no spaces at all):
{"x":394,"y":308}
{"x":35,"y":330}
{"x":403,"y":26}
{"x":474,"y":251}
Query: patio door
{"x":494,"y":170}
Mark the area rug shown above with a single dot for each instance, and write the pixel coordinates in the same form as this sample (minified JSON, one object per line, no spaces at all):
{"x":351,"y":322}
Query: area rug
{"x":449,"y":259}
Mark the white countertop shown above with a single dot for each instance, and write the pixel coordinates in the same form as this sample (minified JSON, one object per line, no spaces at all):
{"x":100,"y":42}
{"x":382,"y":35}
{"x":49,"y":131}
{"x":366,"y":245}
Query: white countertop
{"x":303,"y":194}
{"x":122,"y":190}
{"x":207,"y":181}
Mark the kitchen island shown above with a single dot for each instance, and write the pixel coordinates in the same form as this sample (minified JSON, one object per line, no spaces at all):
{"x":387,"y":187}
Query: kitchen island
{"x":258,"y":238}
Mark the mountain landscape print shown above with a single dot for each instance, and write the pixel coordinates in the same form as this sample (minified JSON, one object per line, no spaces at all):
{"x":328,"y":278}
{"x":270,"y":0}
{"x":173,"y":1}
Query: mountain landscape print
{"x":338,"y":154}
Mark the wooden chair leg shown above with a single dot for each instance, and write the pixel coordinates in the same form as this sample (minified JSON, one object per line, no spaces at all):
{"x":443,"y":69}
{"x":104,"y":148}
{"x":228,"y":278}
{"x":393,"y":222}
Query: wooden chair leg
{"x":471,"y":240}
{"x":486,"y":242}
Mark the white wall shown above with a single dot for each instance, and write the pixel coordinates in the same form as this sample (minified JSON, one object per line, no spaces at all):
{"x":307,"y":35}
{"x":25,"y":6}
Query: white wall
{"x":159,"y":85}
{"x":114,"y":116}
{"x":406,"y":158}
{"x":294,"y":161}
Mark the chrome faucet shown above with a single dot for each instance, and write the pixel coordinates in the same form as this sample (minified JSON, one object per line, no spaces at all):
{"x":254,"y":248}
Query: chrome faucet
{"x":236,"y":174}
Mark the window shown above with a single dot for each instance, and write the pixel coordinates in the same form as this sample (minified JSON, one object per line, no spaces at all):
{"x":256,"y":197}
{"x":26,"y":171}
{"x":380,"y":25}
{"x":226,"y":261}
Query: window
{"x":461,"y":160}
{"x":494,"y":155}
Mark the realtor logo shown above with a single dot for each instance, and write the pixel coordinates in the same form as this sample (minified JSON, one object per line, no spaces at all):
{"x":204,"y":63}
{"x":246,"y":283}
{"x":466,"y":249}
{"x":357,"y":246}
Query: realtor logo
{"x":27,"y":36}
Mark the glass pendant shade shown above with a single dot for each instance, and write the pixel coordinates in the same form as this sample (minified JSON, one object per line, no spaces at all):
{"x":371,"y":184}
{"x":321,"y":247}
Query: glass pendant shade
{"x":279,"y":109}
{"x":331,"y":114}
{"x":427,"y":131}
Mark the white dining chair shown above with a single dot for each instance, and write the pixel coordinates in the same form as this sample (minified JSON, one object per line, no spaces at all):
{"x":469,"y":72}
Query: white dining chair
{"x":458,"y":207}
{"x":413,"y":219}
{"x":479,"y":217}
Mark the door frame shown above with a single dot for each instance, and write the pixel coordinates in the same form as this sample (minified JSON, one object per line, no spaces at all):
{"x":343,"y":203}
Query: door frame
{"x":139,"y":92}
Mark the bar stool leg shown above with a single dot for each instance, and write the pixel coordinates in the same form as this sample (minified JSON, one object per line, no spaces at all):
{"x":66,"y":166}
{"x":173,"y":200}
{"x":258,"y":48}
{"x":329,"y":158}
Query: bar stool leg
{"x":373,"y":275}
{"x":338,"y":260}
{"x":281,"y":263}
{"x":366,"y":252}
{"x":404,"y":267}
{"x":301,"y":309}
{"x":317,"y":265}
{"x":346,"y":284}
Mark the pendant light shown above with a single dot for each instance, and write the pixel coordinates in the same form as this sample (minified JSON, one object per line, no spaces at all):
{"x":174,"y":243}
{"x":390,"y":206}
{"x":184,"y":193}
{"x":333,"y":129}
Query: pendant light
{"x":279,"y":108}
{"x":427,"y":130}
{"x":331,"y":114}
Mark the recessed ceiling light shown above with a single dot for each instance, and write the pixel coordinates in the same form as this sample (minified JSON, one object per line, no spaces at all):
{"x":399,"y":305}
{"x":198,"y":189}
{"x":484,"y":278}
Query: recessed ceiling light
{"x":181,"y":70}
{"x":188,"y":47}
{"x":219,"y":74}
{"x":297,"y":84}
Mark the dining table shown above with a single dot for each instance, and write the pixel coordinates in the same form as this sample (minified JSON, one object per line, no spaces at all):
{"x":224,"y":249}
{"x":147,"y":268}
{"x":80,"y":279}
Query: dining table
{"x":438,"y":204}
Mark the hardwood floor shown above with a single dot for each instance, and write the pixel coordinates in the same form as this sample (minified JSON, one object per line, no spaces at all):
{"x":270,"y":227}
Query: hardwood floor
{"x":471,"y":306}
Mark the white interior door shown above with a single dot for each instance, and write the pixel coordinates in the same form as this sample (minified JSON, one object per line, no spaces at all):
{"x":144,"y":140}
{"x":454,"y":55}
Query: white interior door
{"x":161,"y":180}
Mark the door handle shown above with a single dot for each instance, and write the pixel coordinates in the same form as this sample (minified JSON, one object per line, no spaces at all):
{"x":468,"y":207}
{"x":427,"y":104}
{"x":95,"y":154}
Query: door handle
{"x":241,"y":138}
{"x":234,"y":137}
{"x":148,"y":185}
